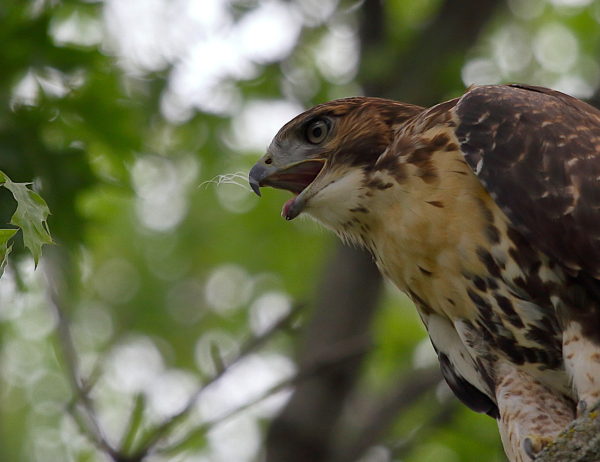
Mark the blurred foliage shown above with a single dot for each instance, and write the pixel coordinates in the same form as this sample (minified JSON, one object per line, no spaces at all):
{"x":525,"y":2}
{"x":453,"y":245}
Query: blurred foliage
{"x":163,"y":266}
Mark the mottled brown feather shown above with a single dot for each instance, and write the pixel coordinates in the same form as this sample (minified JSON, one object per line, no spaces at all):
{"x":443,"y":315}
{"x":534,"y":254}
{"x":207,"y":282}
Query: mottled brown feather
{"x":537,"y":151}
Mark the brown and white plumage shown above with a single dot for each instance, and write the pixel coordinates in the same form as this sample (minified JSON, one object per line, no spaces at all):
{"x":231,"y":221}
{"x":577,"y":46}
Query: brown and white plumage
{"x":485,"y":210}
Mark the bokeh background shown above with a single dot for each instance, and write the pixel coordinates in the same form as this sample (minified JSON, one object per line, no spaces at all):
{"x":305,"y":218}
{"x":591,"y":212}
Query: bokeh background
{"x":178,"y":317}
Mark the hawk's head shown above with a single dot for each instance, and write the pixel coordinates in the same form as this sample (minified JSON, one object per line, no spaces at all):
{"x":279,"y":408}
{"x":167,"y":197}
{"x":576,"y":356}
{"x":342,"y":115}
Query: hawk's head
{"x":321,"y":155}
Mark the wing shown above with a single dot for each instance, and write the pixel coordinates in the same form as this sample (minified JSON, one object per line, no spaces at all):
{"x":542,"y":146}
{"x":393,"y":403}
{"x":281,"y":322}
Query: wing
{"x":464,"y":390}
{"x":465,"y":376}
{"x":537,"y":152}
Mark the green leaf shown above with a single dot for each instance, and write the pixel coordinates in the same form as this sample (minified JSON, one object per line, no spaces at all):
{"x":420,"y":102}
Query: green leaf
{"x":5,"y":235}
{"x":31,"y":215}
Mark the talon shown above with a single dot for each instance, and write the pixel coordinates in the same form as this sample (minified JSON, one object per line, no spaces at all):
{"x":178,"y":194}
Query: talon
{"x":528,"y":448}
{"x":532,"y":445}
{"x":581,"y":407}
{"x":595,"y":407}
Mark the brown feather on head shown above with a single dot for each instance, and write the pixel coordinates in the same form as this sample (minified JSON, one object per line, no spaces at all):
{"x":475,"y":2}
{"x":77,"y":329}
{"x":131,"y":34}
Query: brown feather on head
{"x":325,"y":140}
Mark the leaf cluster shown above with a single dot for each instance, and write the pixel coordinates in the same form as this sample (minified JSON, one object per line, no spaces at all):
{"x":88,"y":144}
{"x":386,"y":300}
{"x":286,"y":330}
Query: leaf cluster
{"x":30,"y":217}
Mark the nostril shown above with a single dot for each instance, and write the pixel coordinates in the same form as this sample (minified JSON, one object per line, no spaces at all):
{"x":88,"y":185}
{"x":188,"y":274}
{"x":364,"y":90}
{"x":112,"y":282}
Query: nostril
{"x":268,"y":161}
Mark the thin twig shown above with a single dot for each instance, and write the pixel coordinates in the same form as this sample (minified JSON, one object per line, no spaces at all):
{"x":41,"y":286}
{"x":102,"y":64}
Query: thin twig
{"x":378,"y":421}
{"x":339,"y":353}
{"x":251,"y":345}
{"x":88,"y":419}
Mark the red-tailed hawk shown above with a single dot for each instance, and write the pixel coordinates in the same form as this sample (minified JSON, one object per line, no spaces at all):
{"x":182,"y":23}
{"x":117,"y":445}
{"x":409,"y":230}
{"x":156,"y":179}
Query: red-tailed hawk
{"x":485,"y":210}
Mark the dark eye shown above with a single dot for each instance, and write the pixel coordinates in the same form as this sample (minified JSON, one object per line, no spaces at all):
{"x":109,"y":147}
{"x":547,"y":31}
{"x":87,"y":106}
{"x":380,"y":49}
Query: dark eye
{"x":317,"y":131}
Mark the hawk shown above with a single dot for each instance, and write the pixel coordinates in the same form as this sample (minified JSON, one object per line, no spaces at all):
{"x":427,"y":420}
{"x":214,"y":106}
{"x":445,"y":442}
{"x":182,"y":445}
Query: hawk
{"x":485,"y":210}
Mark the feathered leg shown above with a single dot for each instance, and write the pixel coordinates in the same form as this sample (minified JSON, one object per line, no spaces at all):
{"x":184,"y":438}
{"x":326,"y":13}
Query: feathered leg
{"x":531,"y":414}
{"x":582,"y":362}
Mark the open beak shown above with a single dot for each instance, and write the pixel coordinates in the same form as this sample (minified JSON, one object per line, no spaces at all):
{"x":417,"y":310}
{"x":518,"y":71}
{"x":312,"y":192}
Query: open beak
{"x":294,"y":177}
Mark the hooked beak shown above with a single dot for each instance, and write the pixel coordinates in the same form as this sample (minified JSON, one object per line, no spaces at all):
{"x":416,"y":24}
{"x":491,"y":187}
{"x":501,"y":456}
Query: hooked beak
{"x":256,"y":174}
{"x":294,"y":177}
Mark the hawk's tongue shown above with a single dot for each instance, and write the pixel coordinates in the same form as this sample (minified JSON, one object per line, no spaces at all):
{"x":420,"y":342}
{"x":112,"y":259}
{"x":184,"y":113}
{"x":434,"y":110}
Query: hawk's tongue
{"x":285,"y":211}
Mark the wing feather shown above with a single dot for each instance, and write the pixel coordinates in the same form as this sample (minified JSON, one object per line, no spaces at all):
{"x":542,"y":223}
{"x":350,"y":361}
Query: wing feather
{"x":537,"y":152}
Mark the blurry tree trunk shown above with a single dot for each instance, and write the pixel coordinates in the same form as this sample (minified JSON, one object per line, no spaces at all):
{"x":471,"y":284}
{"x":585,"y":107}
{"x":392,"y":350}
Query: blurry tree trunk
{"x":428,"y":70}
{"x":347,"y":299}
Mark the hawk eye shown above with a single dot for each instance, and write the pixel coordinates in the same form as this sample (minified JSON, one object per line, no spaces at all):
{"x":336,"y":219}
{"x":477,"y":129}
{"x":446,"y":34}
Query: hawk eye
{"x":317,"y":131}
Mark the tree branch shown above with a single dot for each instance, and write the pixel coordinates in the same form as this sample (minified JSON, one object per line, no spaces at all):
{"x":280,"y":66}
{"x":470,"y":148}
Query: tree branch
{"x":82,"y":406}
{"x":85,"y":416}
{"x":374,"y":425}
{"x":336,"y":355}
{"x":424,"y":71}
{"x":160,"y":431}
{"x":579,"y":442}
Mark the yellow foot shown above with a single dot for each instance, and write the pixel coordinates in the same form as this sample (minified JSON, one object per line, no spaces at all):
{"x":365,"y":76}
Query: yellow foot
{"x":532,"y":445}
{"x":584,"y":408}
{"x":595,"y":407}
